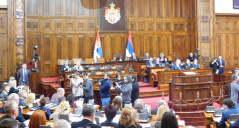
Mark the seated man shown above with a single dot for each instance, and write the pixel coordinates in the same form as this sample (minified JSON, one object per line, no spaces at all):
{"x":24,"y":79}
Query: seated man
{"x":65,"y":67}
{"x":59,"y":95}
{"x":110,"y":113}
{"x":177,"y":65}
{"x":147,"y":56}
{"x":150,"y":63}
{"x":160,"y":102}
{"x":134,"y":57}
{"x":196,"y":64}
{"x":5,"y":91}
{"x":22,"y":96}
{"x":11,"y":109}
{"x":162,"y":57}
{"x":229,"y":103}
{"x":9,"y":123}
{"x":88,"y":113}
{"x":188,"y":64}
{"x":158,"y":63}
{"x":139,"y":106}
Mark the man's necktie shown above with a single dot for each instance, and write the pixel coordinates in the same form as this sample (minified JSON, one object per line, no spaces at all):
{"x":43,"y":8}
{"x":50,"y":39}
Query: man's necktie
{"x":24,"y":73}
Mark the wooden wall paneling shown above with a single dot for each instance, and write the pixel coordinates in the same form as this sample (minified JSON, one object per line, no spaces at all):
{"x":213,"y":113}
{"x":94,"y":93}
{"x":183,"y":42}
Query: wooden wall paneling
{"x":3,"y":54}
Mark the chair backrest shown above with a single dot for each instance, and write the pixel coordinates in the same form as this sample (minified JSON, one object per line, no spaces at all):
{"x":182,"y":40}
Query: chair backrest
{"x":64,"y":117}
{"x":98,"y":113}
{"x":89,"y":61}
{"x":130,"y":104}
{"x":44,"y":126}
{"x":78,"y":111}
{"x":145,"y":110}
{"x":157,"y":124}
{"x":218,"y":111}
{"x":143,"y":117}
{"x":233,"y":117}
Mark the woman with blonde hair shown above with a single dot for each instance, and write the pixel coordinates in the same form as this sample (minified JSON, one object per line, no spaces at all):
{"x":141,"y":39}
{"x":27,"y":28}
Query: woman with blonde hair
{"x":129,"y":118}
{"x":117,"y":102}
{"x":63,"y":108}
{"x":159,"y":116}
{"x":37,"y":118}
{"x":30,"y":100}
{"x":13,"y":87}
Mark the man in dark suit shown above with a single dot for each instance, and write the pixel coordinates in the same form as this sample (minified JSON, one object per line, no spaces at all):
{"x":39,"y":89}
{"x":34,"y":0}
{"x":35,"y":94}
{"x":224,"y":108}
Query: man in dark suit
{"x":188,"y":65}
{"x":65,"y":67}
{"x":230,"y":104}
{"x":134,"y":57}
{"x":11,"y":109}
{"x":23,"y":75}
{"x":177,"y":65}
{"x":147,"y":56}
{"x":160,"y":102}
{"x":135,"y":89}
{"x":221,"y":63}
{"x":88,"y":113}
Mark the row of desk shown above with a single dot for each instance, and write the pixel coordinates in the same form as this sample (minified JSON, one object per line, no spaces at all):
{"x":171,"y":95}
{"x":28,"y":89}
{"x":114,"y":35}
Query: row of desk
{"x":211,"y":120}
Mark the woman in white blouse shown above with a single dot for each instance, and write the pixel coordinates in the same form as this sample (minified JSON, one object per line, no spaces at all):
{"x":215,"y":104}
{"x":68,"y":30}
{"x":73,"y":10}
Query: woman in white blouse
{"x":75,"y":83}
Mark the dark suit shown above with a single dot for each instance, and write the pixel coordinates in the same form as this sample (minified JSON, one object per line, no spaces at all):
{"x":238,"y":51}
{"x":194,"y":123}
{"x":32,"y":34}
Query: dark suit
{"x":191,"y":58}
{"x":134,"y":59}
{"x":158,"y":64}
{"x":108,"y":123}
{"x":135,"y":92}
{"x":13,"y":90}
{"x":48,"y":113}
{"x":147,"y":57}
{"x":177,"y":67}
{"x":225,"y":116}
{"x":22,"y":125}
{"x":214,"y":66}
{"x":235,"y":125}
{"x":221,"y":70}
{"x":188,"y":66}
{"x":21,"y":76}
{"x":63,"y":68}
{"x":148,"y":64}
{"x":197,"y":66}
{"x":84,"y":123}
{"x":118,"y":59}
{"x":162,"y":58}
{"x":20,"y":116}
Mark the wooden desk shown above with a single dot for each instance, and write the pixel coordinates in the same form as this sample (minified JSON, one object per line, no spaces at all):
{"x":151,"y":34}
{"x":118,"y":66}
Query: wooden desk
{"x":208,"y":119}
{"x":227,"y":124}
{"x":152,"y":74}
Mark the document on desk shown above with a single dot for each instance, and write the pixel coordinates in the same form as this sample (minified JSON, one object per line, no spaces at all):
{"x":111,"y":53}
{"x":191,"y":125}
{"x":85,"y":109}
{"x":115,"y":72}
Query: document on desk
{"x":190,"y":73}
{"x":27,"y":122}
{"x":217,"y":119}
{"x":181,"y":123}
{"x":145,"y":125}
{"x":30,"y":113}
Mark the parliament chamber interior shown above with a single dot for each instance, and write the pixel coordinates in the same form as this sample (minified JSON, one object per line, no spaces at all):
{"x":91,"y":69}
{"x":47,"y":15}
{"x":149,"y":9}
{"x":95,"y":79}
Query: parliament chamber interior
{"x":119,"y":63}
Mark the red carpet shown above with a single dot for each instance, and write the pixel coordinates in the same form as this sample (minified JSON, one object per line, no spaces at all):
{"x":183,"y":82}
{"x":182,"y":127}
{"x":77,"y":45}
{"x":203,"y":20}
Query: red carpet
{"x":142,"y":83}
{"x":145,"y":89}
{"x":50,"y":79}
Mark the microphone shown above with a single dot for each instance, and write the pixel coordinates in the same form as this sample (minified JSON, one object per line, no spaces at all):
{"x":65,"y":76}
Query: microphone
{"x":46,"y":121}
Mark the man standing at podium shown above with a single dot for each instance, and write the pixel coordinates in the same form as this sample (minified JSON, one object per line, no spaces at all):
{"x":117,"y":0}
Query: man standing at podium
{"x":23,"y":75}
{"x":221,"y":63}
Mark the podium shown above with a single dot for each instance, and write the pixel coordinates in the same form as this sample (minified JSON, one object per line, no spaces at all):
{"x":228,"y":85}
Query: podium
{"x":34,"y":82}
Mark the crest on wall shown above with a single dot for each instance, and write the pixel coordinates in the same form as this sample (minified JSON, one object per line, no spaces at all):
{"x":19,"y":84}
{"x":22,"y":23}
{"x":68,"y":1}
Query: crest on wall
{"x":112,"y":15}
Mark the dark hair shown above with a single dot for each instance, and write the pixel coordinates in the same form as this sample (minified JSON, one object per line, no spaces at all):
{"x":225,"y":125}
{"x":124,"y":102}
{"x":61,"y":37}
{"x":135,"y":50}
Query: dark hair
{"x":108,"y":75}
{"x":133,"y":77}
{"x":88,"y":110}
{"x":229,"y":103}
{"x":117,"y":75}
{"x":110,"y":112}
{"x":128,"y":77}
{"x":169,"y":120}
{"x":43,"y":101}
{"x":8,"y":123}
{"x":70,"y":98}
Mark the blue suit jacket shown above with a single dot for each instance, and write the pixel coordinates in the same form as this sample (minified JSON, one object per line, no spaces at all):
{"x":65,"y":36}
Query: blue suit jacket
{"x":225,"y":116}
{"x":84,"y":123}
{"x":235,"y":125}
{"x":223,"y":63}
{"x":174,"y":67}
{"x":20,"y":116}
{"x":13,"y":90}
{"x":196,"y":65}
{"x":48,"y":112}
{"x":20,"y":76}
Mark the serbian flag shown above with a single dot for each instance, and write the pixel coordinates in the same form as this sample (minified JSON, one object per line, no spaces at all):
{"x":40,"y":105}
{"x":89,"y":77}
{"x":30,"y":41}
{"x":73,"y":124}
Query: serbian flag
{"x":129,"y":48}
{"x":98,"y":53}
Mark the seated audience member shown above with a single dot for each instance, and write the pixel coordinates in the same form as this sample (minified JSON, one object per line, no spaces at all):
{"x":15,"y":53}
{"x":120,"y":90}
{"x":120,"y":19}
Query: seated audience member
{"x":162,"y":109}
{"x":78,"y":66}
{"x":43,"y":102}
{"x":188,"y":64}
{"x":22,"y":96}
{"x":166,"y":62}
{"x":65,"y":67}
{"x":214,"y":65}
{"x":120,"y":58}
{"x":117,"y":102}
{"x":134,"y":57}
{"x":135,"y":89}
{"x":160,"y":102}
{"x":162,"y":57}
{"x":75,"y":82}
{"x":110,"y":113}
{"x":129,"y":118}
{"x":63,"y":108}
{"x":177,"y":65}
{"x":231,"y":106}
{"x":191,"y":57}
{"x":13,"y":87}
{"x":9,"y":123}
{"x":5,"y":91}
{"x":234,"y":89}
{"x":196,"y":64}
{"x":62,"y":124}
{"x":71,"y":99}
{"x":139,"y":106}
{"x":169,"y":120}
{"x":147,"y":56}
{"x":158,"y":63}
{"x":12,"y":112}
{"x":60,"y":94}
{"x":149,"y":63}
{"x":37,"y":118}
{"x":88,"y":88}
{"x":11,"y":79}
{"x":30,"y":100}
{"x":88,"y":113}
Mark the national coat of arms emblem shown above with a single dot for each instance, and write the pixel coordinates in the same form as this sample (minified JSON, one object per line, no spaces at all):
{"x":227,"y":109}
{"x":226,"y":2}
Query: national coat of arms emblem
{"x":112,"y":15}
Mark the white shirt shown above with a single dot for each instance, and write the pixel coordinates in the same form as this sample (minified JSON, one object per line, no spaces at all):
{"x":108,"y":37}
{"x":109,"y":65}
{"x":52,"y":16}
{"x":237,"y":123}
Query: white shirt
{"x":76,"y":90}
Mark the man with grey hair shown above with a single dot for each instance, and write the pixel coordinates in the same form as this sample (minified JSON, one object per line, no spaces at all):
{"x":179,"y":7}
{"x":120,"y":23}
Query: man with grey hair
{"x":139,"y":106}
{"x":234,"y":89}
{"x":62,"y":124}
{"x":12,"y":111}
{"x":88,"y":113}
{"x":9,"y":123}
{"x":59,"y":95}
{"x":15,"y":97}
{"x":160,"y":102}
{"x":22,"y":96}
